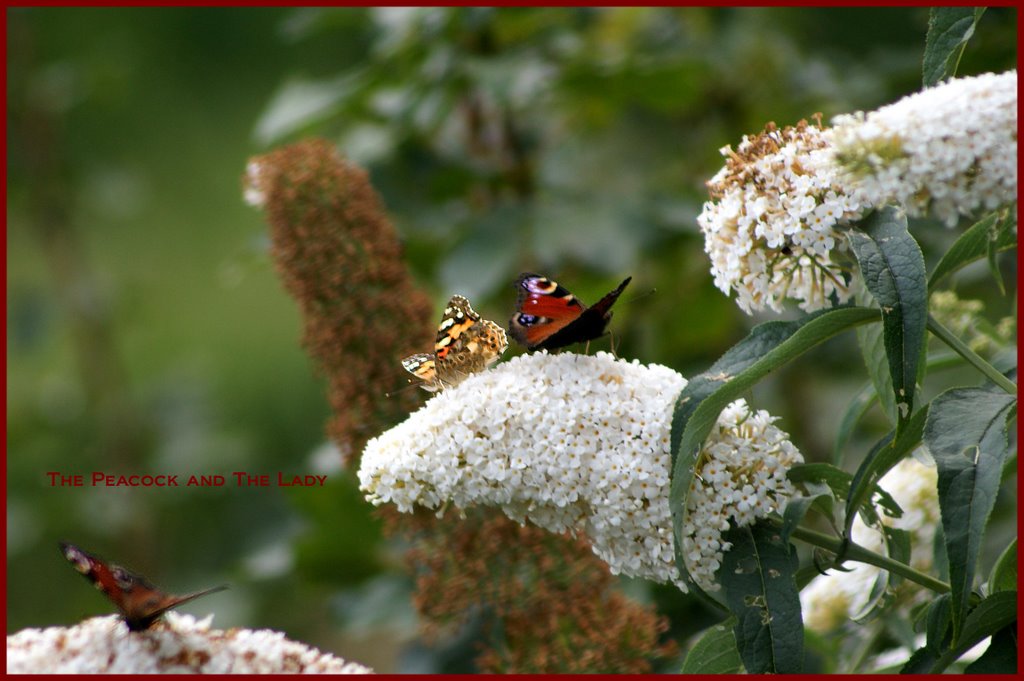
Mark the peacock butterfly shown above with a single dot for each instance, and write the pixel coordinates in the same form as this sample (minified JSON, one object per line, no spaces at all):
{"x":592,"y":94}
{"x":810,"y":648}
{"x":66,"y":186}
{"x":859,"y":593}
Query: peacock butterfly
{"x":548,"y":316}
{"x":141,"y":604}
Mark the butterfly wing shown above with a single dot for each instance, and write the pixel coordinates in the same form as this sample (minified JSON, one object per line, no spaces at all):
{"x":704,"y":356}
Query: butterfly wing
{"x":543,"y":307}
{"x":465,"y":344}
{"x":550,"y":317}
{"x":602,"y":307}
{"x":147,"y":607}
{"x":424,"y":368}
{"x":454,"y":331}
{"x":139,"y":602}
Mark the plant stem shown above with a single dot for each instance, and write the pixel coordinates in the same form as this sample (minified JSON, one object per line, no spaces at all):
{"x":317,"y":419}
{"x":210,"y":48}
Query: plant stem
{"x":958,"y":346}
{"x":863,"y":555}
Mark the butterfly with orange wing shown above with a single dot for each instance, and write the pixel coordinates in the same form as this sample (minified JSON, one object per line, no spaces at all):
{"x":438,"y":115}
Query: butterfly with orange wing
{"x":465,"y":344}
{"x":141,"y":604}
{"x":548,"y":316}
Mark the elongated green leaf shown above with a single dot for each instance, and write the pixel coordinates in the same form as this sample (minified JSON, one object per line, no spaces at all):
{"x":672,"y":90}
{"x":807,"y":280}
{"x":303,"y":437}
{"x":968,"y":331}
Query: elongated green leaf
{"x":886,"y":454}
{"x":840,"y":482}
{"x":937,"y":621}
{"x":855,"y":411}
{"x":940,"y":561}
{"x":988,"y":617}
{"x":767,"y":347}
{"x":991,"y":257}
{"x":757,"y":576}
{"x":893,"y":269}
{"x":1004,"y":572}
{"x":966,"y":435}
{"x":897,"y":544}
{"x":1001,"y":655}
{"x":987,"y":235}
{"x":993,"y":614}
{"x":871,"y":340}
{"x":949,"y":29}
{"x":920,"y":662}
{"x":797,"y":507}
{"x":715,"y":652}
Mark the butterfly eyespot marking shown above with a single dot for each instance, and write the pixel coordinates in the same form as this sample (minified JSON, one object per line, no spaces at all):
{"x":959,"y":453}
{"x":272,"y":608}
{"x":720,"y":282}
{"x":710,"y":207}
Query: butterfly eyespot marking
{"x":541,"y":285}
{"x":549,"y":317}
{"x":121,"y":576}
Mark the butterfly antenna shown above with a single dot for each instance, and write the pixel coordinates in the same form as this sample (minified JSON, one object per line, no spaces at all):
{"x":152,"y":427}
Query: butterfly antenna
{"x":204,"y":592}
{"x":402,"y":389}
{"x":639,"y":296}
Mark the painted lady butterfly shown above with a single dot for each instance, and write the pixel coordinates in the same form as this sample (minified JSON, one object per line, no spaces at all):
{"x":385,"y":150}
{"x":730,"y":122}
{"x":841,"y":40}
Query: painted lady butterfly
{"x":465,"y":345}
{"x":140,"y":603}
{"x":548,"y":316}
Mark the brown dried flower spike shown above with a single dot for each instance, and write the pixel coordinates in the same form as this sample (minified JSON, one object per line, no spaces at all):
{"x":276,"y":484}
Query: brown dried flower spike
{"x":341,"y":259}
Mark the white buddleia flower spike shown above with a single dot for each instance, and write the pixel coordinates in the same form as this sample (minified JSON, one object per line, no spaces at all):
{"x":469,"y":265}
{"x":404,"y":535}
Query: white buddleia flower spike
{"x":568,"y":442}
{"x":179,"y":644}
{"x":949,"y":150}
{"x":772,"y":228}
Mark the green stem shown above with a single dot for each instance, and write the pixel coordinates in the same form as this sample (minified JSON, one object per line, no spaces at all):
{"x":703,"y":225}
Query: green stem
{"x":958,"y":346}
{"x":863,"y":555}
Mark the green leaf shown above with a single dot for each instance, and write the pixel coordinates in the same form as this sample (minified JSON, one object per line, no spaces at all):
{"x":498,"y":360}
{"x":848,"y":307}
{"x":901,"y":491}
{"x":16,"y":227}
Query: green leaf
{"x":949,"y":29}
{"x":1004,"y":572}
{"x":893,"y":269}
{"x":840,"y":482}
{"x":871,"y":340}
{"x":859,"y":405}
{"x":990,"y":616}
{"x":797,"y":507}
{"x":966,"y":435}
{"x":1001,"y":655}
{"x":882,"y":457}
{"x":987,"y":235}
{"x":757,"y":577}
{"x":897,"y":544}
{"x":937,"y":621}
{"x":715,"y":652}
{"x":920,"y":662}
{"x":767,"y":347}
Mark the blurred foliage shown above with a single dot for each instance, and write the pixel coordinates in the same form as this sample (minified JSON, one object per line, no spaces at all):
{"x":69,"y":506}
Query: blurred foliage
{"x":147,"y":331}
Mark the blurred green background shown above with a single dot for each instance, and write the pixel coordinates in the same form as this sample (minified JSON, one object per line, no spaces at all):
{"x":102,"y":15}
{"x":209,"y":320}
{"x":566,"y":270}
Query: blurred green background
{"x":148,"y":333}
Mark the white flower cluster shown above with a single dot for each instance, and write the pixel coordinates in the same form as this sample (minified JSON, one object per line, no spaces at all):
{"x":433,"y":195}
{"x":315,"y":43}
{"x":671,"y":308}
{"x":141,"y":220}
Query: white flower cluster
{"x":774,"y":221}
{"x":950,"y":149}
{"x":832,"y":599}
{"x":568,"y":442}
{"x":180,"y":644}
{"x":742,"y":478}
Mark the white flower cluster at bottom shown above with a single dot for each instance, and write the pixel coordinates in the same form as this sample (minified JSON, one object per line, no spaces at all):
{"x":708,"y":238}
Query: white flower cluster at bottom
{"x":568,"y":442}
{"x":742,"y":477}
{"x":181,"y":644}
